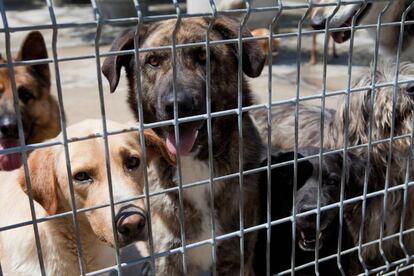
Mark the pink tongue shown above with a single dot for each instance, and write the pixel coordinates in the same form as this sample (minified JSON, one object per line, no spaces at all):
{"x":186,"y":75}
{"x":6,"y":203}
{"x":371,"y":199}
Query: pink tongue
{"x":10,"y":161}
{"x":187,"y":139}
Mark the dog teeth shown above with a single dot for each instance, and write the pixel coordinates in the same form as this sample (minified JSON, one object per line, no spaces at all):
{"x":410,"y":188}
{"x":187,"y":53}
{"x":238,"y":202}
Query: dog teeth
{"x":320,"y":235}
{"x":303,"y":235}
{"x":196,"y":134}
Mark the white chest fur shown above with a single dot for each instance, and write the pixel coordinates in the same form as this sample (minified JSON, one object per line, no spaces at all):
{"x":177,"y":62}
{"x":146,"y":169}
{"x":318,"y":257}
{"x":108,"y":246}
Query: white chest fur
{"x":193,"y":170}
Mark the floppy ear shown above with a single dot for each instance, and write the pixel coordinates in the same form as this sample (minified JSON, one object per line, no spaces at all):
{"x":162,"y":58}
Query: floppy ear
{"x":156,"y":147}
{"x":33,"y":47}
{"x":253,"y":56}
{"x":112,"y":65}
{"x":42,"y":178}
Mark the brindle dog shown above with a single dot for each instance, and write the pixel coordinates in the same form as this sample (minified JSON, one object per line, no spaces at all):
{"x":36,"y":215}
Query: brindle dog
{"x":156,"y":72}
{"x":39,"y":110}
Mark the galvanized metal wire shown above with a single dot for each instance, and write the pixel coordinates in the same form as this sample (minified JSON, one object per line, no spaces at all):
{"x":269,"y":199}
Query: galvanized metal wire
{"x":389,"y":267}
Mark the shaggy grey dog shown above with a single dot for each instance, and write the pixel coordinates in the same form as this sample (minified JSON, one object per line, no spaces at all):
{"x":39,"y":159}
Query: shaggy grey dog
{"x":358,"y":134}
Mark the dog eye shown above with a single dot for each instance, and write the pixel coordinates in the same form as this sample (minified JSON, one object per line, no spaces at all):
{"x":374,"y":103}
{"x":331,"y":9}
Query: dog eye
{"x":131,"y":163}
{"x":25,"y":94}
{"x":154,"y":61}
{"x":83,"y":177}
{"x":201,"y":56}
{"x":333,"y":181}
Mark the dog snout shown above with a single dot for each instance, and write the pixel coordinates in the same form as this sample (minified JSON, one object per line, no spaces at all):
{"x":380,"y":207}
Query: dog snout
{"x":185,"y":105}
{"x":130,"y":224}
{"x":318,"y":21}
{"x":8,"y":126}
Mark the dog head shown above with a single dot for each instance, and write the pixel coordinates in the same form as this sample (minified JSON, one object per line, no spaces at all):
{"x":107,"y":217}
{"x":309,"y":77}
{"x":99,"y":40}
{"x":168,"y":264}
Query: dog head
{"x":157,"y":73}
{"x":382,"y":112}
{"x":307,"y":195}
{"x":39,"y":110}
{"x":50,"y":183}
{"x":366,"y":14}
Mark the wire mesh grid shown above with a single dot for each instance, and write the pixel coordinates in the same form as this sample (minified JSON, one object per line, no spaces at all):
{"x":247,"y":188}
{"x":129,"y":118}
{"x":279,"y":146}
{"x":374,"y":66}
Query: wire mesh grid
{"x":394,"y":265}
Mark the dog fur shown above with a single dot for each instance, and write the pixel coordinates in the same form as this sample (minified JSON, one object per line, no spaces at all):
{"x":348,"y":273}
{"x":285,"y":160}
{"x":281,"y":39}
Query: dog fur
{"x":330,"y":191}
{"x":156,"y":88}
{"x":50,"y":189}
{"x":39,"y":110}
{"x":306,"y":200}
{"x":359,"y":110}
{"x":264,"y":43}
{"x":283,"y":125}
{"x":389,"y":34}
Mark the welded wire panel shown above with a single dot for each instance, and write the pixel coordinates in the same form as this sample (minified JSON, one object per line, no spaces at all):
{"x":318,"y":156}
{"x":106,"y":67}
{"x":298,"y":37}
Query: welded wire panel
{"x":346,"y":120}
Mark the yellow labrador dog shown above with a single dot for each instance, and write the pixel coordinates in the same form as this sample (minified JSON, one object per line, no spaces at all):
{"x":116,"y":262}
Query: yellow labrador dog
{"x":50,"y":186}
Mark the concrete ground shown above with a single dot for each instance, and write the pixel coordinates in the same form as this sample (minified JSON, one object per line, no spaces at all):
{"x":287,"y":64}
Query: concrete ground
{"x":79,"y":78}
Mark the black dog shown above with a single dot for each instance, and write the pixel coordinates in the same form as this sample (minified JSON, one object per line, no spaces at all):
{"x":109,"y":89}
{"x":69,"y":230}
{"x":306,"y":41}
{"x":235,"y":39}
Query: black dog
{"x":306,"y":200}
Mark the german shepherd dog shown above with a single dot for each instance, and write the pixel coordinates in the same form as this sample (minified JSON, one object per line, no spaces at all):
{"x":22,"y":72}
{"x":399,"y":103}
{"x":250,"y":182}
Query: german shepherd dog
{"x":156,"y":73}
{"x":369,"y":15}
{"x":39,"y":110}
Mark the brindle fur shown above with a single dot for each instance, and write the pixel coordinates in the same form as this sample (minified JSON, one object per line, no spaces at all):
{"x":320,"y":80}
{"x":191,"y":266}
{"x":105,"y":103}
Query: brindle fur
{"x":191,"y":78}
{"x":40,"y":114}
{"x":359,"y":110}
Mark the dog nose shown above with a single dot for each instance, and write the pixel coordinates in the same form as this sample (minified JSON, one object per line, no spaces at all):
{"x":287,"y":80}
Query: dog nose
{"x":410,"y":89}
{"x":8,"y":127}
{"x":307,"y":207}
{"x":185,"y":105}
{"x":130,"y":225}
{"x":318,"y":21}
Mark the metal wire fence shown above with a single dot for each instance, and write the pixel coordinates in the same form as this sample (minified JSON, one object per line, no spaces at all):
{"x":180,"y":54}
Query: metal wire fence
{"x":388,"y":266}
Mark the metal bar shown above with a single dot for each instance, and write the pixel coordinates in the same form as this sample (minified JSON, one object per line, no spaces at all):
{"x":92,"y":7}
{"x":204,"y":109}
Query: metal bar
{"x":322,"y":133}
{"x":201,"y":117}
{"x":370,"y":124}
{"x":177,"y":134}
{"x":21,"y":136}
{"x":272,"y":25}
{"x":105,"y":134}
{"x":296,"y":137}
{"x":141,"y":120}
{"x":75,"y":220}
{"x":390,"y":149}
{"x":210,"y":139}
{"x":195,"y":44}
{"x":133,"y":20}
{"x":384,"y":215}
{"x":346,"y":139}
{"x":410,"y":148}
{"x":198,"y":183}
{"x":240,"y":130}
{"x":335,"y":205}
